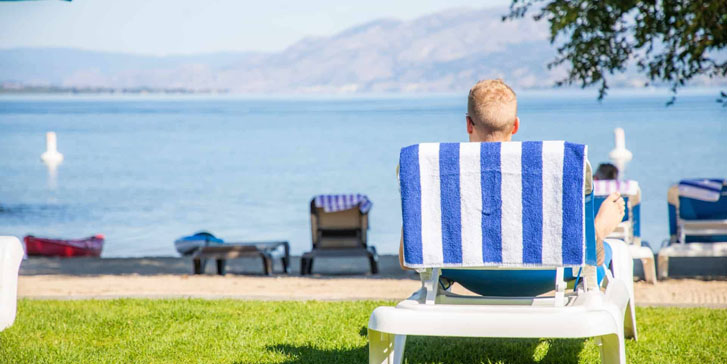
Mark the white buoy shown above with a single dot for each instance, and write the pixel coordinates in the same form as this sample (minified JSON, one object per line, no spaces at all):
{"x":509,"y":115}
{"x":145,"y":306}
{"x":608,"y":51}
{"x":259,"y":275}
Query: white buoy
{"x":51,"y":155}
{"x":620,"y":156}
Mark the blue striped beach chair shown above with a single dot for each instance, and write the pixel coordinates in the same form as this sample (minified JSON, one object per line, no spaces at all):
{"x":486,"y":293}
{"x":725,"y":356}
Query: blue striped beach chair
{"x":511,"y":206}
{"x":629,"y":230}
{"x":697,"y":221}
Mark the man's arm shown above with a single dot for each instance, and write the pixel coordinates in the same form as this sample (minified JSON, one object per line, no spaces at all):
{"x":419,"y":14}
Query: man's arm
{"x":609,"y":216}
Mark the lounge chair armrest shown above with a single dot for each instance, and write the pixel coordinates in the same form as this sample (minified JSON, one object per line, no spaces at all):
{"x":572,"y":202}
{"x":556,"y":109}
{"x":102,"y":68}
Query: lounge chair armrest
{"x":704,"y":227}
{"x":430,"y":283}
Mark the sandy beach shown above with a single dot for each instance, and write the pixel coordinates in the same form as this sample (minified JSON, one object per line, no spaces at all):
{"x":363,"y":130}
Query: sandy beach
{"x":335,"y":279}
{"x":676,"y":292}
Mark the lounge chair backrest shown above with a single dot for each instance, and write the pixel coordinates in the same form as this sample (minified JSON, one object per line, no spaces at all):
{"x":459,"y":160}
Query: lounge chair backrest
{"x":702,"y":199}
{"x":606,"y":187}
{"x":509,"y":204}
{"x":697,"y":200}
{"x":631,"y":193}
{"x":339,"y":229}
{"x":346,"y":219}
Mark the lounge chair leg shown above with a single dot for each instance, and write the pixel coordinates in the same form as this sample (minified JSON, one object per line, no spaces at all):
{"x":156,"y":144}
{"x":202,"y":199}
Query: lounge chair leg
{"x":663,"y":266}
{"x":630,"y":321}
{"x":286,"y":258}
{"x":612,"y":349}
{"x":399,"y":346}
{"x":199,"y":265}
{"x":303,"y":265}
{"x":267,"y":265}
{"x":381,"y":347}
{"x":649,"y":270}
{"x":374,"y":262}
{"x":221,"y":266}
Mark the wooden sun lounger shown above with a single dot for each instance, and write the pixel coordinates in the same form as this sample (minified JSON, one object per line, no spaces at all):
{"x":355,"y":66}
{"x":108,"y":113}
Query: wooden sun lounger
{"x":223,"y":252}
{"x":338,"y":234}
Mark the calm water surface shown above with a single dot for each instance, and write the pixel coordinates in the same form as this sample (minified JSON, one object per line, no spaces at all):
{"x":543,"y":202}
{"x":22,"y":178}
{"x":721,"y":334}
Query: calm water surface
{"x":146,"y":170}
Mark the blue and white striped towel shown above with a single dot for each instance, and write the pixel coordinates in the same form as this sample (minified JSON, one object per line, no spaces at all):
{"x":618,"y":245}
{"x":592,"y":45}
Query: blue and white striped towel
{"x":701,"y":189}
{"x":341,"y":202}
{"x":514,"y":204}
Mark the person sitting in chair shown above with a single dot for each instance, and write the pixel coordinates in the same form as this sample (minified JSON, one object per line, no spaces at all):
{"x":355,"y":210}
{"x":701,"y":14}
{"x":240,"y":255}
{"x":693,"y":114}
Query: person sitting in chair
{"x":606,"y":171}
{"x":492,"y":117}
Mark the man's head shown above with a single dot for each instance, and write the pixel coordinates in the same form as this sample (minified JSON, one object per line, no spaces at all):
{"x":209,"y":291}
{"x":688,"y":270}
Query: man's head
{"x":491,"y":112}
{"x":606,"y":171}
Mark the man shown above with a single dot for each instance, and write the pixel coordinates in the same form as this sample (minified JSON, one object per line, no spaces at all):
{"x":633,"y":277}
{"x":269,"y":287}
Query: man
{"x":492,"y":117}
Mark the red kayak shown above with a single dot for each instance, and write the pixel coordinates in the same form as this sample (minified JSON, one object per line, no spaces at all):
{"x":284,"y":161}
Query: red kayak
{"x":88,"y":247}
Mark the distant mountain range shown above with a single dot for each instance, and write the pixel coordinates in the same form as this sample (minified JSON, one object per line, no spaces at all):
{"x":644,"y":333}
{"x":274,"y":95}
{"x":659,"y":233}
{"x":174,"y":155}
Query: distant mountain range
{"x":446,"y":51}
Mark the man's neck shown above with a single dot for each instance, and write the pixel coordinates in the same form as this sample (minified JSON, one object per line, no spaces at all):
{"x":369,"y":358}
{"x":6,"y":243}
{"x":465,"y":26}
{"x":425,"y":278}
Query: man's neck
{"x":490,"y":138}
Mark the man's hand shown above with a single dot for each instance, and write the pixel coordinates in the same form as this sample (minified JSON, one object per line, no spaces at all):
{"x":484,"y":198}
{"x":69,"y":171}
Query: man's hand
{"x":609,"y":215}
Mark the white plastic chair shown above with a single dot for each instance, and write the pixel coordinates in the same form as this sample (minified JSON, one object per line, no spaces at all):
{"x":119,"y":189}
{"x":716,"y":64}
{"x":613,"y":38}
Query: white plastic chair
{"x":431,"y":311}
{"x":11,"y":253}
{"x":697,"y":194}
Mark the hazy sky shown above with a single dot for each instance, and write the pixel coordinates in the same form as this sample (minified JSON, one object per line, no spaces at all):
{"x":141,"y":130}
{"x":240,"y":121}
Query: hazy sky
{"x":195,"y":26}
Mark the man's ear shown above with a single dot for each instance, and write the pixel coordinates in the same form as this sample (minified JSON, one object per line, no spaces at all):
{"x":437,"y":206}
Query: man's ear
{"x":470,"y":125}
{"x":516,"y":125}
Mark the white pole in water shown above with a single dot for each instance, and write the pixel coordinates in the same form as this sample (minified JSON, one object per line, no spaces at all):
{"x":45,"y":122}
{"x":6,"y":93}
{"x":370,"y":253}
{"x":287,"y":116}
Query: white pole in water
{"x":51,"y":155}
{"x":620,"y":156}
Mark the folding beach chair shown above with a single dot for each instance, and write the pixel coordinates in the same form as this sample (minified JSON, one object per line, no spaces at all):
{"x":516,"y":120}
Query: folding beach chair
{"x":339,"y":226}
{"x":629,"y":230}
{"x":697,"y":221}
{"x":11,"y":253}
{"x":503,"y":206}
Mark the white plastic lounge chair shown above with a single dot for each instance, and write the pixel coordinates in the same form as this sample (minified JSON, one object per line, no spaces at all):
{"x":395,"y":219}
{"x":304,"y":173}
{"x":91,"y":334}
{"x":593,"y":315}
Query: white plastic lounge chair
{"x":503,"y":206}
{"x":629,"y":230}
{"x":11,"y":253}
{"x":697,"y":221}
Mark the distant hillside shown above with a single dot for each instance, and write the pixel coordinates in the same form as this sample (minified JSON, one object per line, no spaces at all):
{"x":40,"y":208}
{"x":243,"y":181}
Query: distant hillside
{"x":445,"y":51}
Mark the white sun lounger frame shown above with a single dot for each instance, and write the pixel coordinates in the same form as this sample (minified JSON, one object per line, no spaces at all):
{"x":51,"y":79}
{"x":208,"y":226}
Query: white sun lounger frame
{"x":11,"y":254}
{"x":609,"y":316}
{"x":681,"y":249}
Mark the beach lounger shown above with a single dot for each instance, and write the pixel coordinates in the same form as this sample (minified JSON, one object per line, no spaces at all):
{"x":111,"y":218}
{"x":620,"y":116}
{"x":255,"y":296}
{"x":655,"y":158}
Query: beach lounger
{"x":629,"y":230}
{"x":339,"y":226}
{"x":503,"y":206}
{"x":697,"y":221}
{"x":11,"y":254}
{"x":221,"y":253}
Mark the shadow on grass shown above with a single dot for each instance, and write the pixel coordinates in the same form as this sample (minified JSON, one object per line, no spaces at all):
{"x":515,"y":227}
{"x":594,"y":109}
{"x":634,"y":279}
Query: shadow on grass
{"x":310,"y":355}
{"x":448,"y":350}
{"x":486,"y":350}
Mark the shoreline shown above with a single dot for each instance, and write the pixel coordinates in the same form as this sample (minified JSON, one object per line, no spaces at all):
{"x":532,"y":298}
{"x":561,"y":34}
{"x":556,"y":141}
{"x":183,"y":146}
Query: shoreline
{"x":333,"y":280}
{"x":699,"y":268}
{"x":142,"y":93}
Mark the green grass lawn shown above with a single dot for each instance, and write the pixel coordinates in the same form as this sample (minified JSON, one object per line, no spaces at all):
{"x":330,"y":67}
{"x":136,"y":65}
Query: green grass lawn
{"x":233,"y":331}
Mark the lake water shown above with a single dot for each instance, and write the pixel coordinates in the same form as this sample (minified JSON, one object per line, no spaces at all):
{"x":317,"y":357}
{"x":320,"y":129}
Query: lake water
{"x":146,"y":170}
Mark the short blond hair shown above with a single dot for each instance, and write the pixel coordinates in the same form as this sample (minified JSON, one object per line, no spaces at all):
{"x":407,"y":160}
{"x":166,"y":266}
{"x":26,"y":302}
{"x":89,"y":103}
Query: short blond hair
{"x":492,"y":106}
